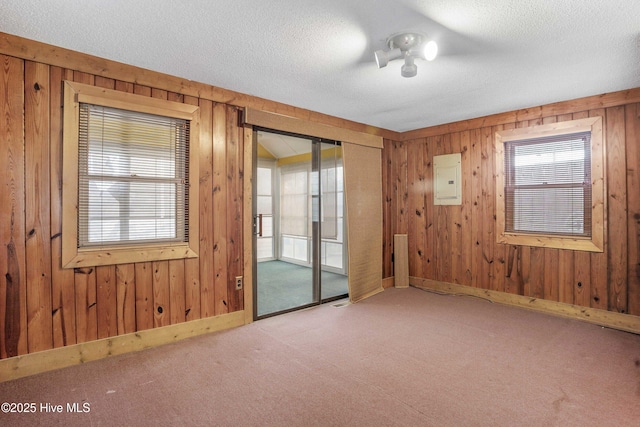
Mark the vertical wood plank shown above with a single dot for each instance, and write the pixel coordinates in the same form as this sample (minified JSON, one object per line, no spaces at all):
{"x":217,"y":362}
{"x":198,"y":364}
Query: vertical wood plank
{"x":401,"y":190}
{"x":106,"y":304}
{"x":566,"y":280}
{"x":536,"y":273}
{"x":124,"y":86}
{"x":85,"y":78}
{"x":235,"y":168}
{"x":220,"y":184}
{"x":86,"y":315}
{"x":582,"y":279}
{"x":455,"y":218}
{"x":207,"y":289}
{"x":144,"y":295}
{"x":13,"y":305}
{"x":616,"y":209}
{"x":632,"y":134}
{"x":476,"y":208}
{"x":387,"y":218}
{"x":37,"y":199}
{"x":466,"y":244}
{"x":126,"y":298}
{"x":246,"y":302}
{"x":442,"y":223}
{"x":192,"y":265}
{"x":488,"y":201}
{"x":176,"y":291}
{"x":500,"y":252}
{"x":161,"y":302}
{"x":416,"y":210}
{"x":428,"y":234}
{"x":62,"y":279}
{"x":599,"y":276}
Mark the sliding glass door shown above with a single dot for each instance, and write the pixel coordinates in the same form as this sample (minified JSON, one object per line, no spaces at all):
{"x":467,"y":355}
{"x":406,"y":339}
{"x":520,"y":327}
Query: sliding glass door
{"x":299,"y":225}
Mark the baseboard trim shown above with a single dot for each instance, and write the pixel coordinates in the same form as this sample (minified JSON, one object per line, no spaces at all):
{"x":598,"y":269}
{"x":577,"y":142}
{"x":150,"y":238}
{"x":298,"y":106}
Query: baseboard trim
{"x":610,"y":319}
{"x":388,"y":282}
{"x":49,"y":360}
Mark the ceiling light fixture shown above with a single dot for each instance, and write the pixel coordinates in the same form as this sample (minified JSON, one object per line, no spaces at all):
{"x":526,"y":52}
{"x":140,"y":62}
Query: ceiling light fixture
{"x":409,"y":46}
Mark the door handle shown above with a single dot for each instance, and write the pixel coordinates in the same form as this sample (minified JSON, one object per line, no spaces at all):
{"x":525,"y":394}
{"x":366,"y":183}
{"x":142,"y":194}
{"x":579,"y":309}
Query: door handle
{"x":257,"y":225}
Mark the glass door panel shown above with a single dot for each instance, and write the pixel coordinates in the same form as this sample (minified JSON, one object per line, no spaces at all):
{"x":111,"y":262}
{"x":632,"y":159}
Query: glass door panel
{"x":299,"y":223}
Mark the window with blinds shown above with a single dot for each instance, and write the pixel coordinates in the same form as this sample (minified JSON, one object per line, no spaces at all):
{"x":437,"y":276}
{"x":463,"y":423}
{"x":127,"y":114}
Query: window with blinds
{"x":548,"y":185}
{"x":133,"y":177}
{"x":130,"y":188}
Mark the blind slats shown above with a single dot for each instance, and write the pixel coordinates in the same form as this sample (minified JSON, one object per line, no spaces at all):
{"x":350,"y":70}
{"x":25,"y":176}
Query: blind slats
{"x":133,"y":177}
{"x":548,"y":185}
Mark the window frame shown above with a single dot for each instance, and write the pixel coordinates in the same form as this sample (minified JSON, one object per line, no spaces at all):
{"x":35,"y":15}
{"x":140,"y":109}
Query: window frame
{"x":594,"y":243}
{"x":72,"y":256}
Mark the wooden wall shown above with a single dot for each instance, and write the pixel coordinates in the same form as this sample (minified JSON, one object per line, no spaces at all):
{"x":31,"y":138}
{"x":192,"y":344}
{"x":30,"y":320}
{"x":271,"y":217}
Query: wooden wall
{"x":43,"y":306}
{"x":457,"y":244}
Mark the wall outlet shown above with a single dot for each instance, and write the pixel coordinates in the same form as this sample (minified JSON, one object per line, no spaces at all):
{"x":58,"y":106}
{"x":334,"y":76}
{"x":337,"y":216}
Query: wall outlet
{"x":238,"y":283}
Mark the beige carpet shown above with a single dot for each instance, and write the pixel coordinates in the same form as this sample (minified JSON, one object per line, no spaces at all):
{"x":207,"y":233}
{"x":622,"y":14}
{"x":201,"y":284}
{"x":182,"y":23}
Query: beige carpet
{"x":404,"y":357}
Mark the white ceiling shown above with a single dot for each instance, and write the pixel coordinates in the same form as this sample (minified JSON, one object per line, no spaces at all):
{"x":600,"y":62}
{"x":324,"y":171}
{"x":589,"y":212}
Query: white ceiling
{"x":495,"y":56}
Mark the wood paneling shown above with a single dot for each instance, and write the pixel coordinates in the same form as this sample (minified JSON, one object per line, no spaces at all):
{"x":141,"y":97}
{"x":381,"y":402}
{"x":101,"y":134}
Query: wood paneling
{"x":38,"y":247}
{"x":31,"y":50}
{"x":13,"y":275}
{"x":465,"y":241}
{"x":632,"y":134}
{"x":44,"y":306}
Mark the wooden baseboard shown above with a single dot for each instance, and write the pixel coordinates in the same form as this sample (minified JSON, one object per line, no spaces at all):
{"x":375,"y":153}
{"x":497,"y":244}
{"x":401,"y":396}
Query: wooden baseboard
{"x":610,"y":319}
{"x":388,"y":282}
{"x":49,"y":360}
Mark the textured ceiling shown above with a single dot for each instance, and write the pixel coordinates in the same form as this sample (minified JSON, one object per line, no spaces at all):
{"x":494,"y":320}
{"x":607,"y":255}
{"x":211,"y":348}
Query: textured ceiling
{"x":495,"y":56}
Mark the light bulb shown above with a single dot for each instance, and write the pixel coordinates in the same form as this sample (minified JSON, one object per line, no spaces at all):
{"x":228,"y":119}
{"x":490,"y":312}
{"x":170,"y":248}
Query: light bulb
{"x":430,"y":50}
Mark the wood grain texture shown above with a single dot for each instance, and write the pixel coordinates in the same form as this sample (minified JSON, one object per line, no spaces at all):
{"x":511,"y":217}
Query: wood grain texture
{"x":126,"y":298}
{"x":401,"y":264}
{"x":235,"y":171}
{"x":86,"y":301}
{"x":13,"y":275}
{"x":161,"y":294}
{"x":606,"y":280}
{"x":192,"y":307}
{"x":220,"y":227}
{"x":106,"y":301}
{"x":632,"y":133}
{"x":37,"y":202}
{"x":617,"y":208}
{"x":28,"y":49}
{"x":206,"y":253}
{"x":62,"y":279}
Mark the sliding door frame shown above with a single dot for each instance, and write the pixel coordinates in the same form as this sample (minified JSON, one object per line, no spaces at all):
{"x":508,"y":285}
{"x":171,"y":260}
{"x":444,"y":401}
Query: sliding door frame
{"x":252,"y":118}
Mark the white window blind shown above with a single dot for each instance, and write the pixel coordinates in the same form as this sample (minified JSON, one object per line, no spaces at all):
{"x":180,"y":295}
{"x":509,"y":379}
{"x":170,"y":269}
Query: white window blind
{"x":331,"y":165}
{"x":133,"y":178}
{"x":294,"y":201}
{"x":548,"y":185}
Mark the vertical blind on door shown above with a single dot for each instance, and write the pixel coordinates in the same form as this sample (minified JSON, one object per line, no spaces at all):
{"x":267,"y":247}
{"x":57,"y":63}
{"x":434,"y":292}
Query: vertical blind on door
{"x":133,"y":178}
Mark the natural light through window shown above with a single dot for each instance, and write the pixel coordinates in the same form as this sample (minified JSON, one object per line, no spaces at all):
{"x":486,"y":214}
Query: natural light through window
{"x":550,"y":185}
{"x":130,"y":184}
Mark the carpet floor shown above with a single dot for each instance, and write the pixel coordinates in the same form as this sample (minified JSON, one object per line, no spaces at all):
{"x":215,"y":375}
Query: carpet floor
{"x":282,"y":286}
{"x":404,"y":357}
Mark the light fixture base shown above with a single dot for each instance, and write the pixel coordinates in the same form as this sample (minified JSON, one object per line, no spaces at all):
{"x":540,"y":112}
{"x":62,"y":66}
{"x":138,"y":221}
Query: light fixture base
{"x":405,"y":41}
